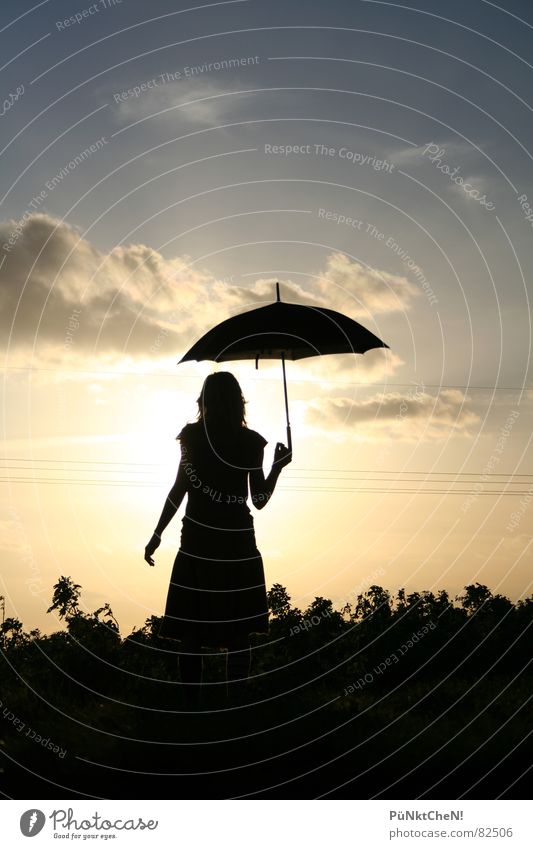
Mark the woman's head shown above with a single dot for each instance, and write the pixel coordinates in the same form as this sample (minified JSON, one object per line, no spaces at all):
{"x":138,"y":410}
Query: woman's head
{"x":221,"y":402}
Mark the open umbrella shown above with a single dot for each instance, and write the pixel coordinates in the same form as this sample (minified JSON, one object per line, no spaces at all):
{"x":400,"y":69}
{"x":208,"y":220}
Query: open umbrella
{"x":283,"y":331}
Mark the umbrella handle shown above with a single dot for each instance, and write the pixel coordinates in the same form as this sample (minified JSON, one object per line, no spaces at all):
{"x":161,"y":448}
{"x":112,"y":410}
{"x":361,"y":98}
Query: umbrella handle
{"x":289,"y":439}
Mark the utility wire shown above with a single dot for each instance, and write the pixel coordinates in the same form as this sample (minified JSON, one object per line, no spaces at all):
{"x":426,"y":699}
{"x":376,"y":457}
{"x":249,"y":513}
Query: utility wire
{"x":450,"y":473}
{"x":366,"y":479}
{"x":372,"y":385}
{"x":93,"y":462}
{"x":389,"y":491}
{"x":444,"y":484}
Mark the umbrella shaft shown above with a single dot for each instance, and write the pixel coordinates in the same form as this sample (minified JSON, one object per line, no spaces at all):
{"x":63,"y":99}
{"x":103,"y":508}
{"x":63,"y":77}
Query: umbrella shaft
{"x":289,"y":440}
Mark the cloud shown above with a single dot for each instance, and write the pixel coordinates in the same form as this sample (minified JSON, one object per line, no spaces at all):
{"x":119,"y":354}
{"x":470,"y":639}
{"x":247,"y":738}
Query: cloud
{"x":418,"y":155}
{"x":407,"y":417}
{"x":473,"y":187}
{"x":61,"y":294}
{"x":263,"y":291}
{"x":362,"y":292}
{"x":344,"y":285}
{"x":408,"y":155}
{"x":450,"y":159}
{"x":376,"y":366}
{"x":62,"y":298}
{"x":199,"y":102}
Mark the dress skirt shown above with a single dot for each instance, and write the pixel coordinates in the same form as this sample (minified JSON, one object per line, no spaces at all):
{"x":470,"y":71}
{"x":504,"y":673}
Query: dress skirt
{"x":217,"y":593}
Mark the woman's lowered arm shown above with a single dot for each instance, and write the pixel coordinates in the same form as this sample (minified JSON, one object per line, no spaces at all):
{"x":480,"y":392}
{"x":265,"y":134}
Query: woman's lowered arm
{"x":172,"y":504}
{"x":261,"y":488}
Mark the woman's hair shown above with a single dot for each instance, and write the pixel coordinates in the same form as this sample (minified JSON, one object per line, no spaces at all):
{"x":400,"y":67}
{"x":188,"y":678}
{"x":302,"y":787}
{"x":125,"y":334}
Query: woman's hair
{"x":221,"y":404}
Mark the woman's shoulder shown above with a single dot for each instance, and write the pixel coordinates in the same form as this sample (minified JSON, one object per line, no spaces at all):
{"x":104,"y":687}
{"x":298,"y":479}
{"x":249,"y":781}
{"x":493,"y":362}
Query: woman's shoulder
{"x":193,"y":430}
{"x":254,"y":437}
{"x":188,"y":430}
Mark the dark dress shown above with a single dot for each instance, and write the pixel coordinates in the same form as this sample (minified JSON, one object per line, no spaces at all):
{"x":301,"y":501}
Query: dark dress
{"x":217,"y":594}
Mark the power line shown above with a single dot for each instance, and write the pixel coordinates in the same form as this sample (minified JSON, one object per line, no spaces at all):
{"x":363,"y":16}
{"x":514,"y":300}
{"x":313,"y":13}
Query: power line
{"x":367,"y":479}
{"x":433,"y":483}
{"x":508,"y":482}
{"x":92,"y":462}
{"x":295,"y":379}
{"x":449,"y":473}
{"x":79,"y":482}
{"x":408,"y":491}
{"x":388,"y":491}
{"x":430,"y":472}
{"x":67,"y":471}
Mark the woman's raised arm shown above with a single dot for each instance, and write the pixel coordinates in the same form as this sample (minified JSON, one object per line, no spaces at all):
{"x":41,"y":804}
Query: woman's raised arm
{"x":261,"y":488}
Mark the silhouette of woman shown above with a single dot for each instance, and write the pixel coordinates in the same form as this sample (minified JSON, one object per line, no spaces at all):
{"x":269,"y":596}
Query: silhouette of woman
{"x":217,"y":594}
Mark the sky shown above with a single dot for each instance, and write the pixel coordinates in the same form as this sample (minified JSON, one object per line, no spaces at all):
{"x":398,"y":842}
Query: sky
{"x":163,"y":165}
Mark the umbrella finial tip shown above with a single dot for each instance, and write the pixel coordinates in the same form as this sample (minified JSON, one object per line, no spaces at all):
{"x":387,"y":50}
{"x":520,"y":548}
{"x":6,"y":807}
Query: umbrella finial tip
{"x":278,"y":298}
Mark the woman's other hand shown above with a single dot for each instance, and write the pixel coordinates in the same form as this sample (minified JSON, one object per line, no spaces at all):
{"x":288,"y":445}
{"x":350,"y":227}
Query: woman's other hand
{"x":282,"y":456}
{"x":150,"y":548}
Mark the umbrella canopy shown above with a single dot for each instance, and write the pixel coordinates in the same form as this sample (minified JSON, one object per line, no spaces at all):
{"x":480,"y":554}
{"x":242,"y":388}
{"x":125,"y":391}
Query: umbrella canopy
{"x":283,"y":331}
{"x":292,"y":330}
